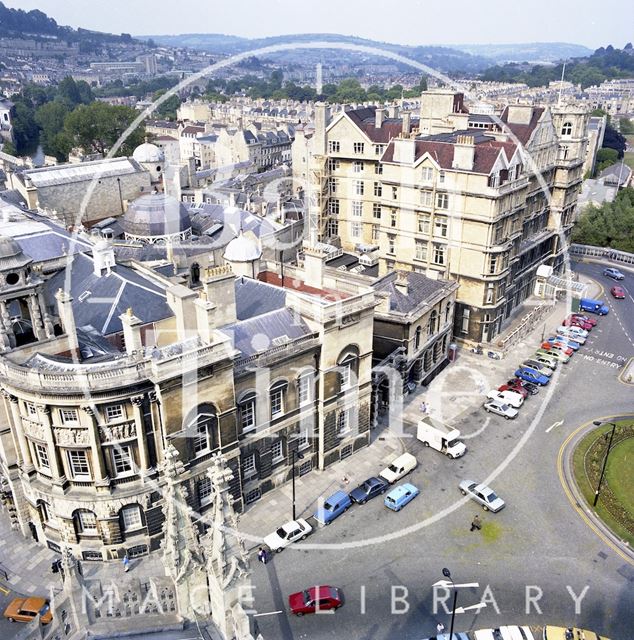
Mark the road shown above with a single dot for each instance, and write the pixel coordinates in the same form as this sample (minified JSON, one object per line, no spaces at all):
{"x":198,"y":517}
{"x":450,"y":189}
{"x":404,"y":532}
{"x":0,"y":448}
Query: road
{"x":537,"y":545}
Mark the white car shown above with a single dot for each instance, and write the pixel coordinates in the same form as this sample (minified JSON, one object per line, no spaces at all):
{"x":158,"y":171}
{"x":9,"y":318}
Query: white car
{"x":509,"y":397}
{"x":287,"y":534}
{"x":498,"y":406}
{"x":573,"y":332}
{"x":399,"y":468}
{"x":504,"y":633}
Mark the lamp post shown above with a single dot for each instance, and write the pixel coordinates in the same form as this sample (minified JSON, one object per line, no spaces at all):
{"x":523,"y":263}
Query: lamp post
{"x":294,"y":456}
{"x":598,"y":423}
{"x":120,"y":194}
{"x":447,"y":575}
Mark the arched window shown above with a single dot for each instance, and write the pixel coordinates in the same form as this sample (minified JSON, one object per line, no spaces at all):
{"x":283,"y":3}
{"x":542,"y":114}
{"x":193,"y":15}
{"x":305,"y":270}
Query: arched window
{"x":433,"y":322}
{"x":305,"y":387}
{"x":447,"y":312}
{"x":277,"y":396}
{"x":201,"y":430}
{"x":131,"y":518}
{"x":195,"y":273}
{"x":417,"y":336}
{"x":566,"y":128}
{"x":347,"y":371}
{"x":246,"y":412}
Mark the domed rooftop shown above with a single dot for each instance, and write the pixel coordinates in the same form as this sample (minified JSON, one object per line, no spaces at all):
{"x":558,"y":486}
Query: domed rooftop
{"x":11,"y":255}
{"x":155,"y":215}
{"x":242,"y":249}
{"x":148,"y":153}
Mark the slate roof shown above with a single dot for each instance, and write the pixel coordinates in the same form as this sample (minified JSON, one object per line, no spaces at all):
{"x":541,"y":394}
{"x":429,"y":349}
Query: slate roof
{"x":255,"y":298}
{"x":618,"y":173}
{"x":419,"y":290}
{"x":364,"y":119}
{"x":99,"y":301}
{"x":257,"y":334}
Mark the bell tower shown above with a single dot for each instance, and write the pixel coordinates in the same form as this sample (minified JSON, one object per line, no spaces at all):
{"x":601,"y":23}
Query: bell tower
{"x":23,"y":315}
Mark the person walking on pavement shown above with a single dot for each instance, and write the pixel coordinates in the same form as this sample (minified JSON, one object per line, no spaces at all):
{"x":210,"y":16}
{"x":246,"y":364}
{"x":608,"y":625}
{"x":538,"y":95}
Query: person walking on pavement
{"x":126,"y":563}
{"x":440,"y":627}
{"x":475,"y":523}
{"x":262,"y":555}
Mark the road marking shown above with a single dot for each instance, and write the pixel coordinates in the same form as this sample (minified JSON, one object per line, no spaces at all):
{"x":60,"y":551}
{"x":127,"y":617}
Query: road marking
{"x":269,"y":613}
{"x":464,"y":436}
{"x":5,"y":590}
{"x":553,"y":425}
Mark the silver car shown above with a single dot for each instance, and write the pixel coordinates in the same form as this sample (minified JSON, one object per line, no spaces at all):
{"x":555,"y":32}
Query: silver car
{"x":482,"y":495}
{"x":502,"y":409}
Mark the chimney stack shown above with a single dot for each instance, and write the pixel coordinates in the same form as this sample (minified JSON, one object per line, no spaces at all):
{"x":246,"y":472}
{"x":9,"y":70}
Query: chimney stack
{"x":220,"y":292}
{"x":67,"y":318}
{"x":404,"y":150}
{"x":407,"y":124}
{"x":401,"y":283}
{"x":379,"y":116}
{"x":131,"y":332}
{"x":320,"y":129}
{"x":464,"y":153}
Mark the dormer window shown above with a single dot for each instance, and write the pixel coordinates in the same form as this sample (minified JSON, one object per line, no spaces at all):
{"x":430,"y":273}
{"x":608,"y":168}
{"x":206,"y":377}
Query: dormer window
{"x":566,"y":129}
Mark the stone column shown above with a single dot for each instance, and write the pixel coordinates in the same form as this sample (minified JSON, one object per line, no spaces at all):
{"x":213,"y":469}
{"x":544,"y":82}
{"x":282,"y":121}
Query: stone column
{"x":48,"y":323}
{"x":23,"y":451}
{"x":5,"y":319}
{"x":157,"y":424}
{"x":137,"y":409}
{"x":44,"y":413}
{"x":36,"y":318}
{"x":99,"y":468}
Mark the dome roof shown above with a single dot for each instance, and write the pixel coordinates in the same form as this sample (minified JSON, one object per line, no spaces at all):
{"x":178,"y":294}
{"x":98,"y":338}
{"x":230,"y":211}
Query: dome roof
{"x":155,"y":215}
{"x":148,"y":153}
{"x":11,"y":255}
{"x":242,"y":249}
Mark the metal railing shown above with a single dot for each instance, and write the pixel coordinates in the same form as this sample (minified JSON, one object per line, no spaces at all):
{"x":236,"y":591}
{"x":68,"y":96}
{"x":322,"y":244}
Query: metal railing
{"x":601,"y":253}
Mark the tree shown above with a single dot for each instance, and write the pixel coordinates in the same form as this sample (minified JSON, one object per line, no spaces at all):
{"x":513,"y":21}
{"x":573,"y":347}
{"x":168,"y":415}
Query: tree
{"x":50,"y":117}
{"x":627,"y":126}
{"x":97,"y":127}
{"x":167,"y":110}
{"x":25,"y":129}
{"x":612,"y":139}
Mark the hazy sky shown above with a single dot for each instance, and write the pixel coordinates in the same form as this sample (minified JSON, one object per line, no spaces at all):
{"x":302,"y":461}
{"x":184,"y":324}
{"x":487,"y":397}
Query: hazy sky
{"x":589,"y":22}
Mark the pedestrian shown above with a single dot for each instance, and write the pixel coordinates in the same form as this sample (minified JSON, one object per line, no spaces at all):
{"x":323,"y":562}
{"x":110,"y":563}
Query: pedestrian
{"x":126,"y":562}
{"x":475,"y":523}
{"x":262,"y":555}
{"x":440,"y":627}
{"x":423,"y":407}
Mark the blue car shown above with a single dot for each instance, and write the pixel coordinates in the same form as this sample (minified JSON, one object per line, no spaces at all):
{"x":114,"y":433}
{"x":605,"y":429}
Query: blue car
{"x":530,"y":375}
{"x":332,"y":507}
{"x":400,"y":496}
{"x":567,"y":341}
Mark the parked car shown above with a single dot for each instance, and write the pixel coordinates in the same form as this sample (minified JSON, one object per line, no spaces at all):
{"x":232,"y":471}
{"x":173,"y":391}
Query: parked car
{"x":398,"y":497}
{"x":594,"y":306}
{"x":369,"y":489}
{"x":571,"y":335}
{"x":615,"y":274}
{"x":585,"y":318}
{"x":549,"y":361}
{"x":28,"y":609}
{"x":560,"y":356}
{"x":548,"y":345}
{"x":515,"y":387}
{"x":319,"y":598}
{"x":561,"y":633}
{"x":532,"y":363}
{"x":618,"y":293}
{"x":456,"y":636}
{"x":567,"y":342}
{"x":333,"y":507}
{"x":399,"y":468}
{"x":501,"y":409}
{"x":482,"y":495}
{"x":573,"y":331}
{"x":504,"y":633}
{"x":516,"y":384}
{"x":530,"y":375}
{"x":287,"y":534}
{"x":512,"y":398}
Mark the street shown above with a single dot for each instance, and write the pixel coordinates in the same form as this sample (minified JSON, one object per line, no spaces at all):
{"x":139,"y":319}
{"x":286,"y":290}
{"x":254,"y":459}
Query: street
{"x":538,"y":546}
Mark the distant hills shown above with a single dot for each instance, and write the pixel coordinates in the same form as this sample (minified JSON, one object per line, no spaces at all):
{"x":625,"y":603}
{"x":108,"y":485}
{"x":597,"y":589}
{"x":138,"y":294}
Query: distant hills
{"x":533,"y":52}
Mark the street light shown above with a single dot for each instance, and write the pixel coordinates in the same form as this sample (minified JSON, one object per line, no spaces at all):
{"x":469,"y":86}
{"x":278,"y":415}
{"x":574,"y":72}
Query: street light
{"x":294,"y":456}
{"x":447,"y":575}
{"x":598,"y":423}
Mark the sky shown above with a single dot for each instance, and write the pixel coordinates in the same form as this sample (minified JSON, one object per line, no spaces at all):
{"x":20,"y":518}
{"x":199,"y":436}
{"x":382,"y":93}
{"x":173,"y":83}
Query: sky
{"x":417,"y":22}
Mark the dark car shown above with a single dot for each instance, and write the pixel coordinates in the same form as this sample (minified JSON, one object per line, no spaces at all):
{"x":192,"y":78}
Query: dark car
{"x":371,"y":488}
{"x":516,"y":384}
{"x":618,"y":292}
{"x":319,"y":598}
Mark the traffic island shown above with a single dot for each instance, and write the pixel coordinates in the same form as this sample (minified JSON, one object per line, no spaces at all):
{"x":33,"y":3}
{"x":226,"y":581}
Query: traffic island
{"x":615,"y":504}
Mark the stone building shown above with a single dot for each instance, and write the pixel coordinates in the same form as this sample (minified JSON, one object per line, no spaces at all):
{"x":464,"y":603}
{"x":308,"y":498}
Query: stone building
{"x":480,"y":200}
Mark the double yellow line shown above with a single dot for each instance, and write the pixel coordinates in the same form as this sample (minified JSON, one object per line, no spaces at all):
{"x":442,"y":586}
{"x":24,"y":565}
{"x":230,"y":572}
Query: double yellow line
{"x":5,"y":590}
{"x":571,"y":497}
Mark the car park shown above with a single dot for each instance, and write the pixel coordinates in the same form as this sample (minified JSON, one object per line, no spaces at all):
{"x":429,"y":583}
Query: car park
{"x":369,"y":489}
{"x":403,"y":465}
{"x":530,"y":375}
{"x":333,"y":507}
{"x":557,"y":345}
{"x":314,"y":599}
{"x":554,"y":353}
{"x":574,"y":332}
{"x":618,"y":293}
{"x":28,"y":609}
{"x":482,"y":494}
{"x":615,"y":274}
{"x":287,"y":534}
{"x":532,"y":363}
{"x":549,"y":361}
{"x":501,"y":409}
{"x":568,"y":342}
{"x":398,"y":497}
{"x":518,"y":388}
{"x":512,"y":398}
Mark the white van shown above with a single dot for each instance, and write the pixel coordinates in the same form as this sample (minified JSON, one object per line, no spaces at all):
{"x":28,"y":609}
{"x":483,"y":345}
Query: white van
{"x":438,"y":436}
{"x":399,"y":468}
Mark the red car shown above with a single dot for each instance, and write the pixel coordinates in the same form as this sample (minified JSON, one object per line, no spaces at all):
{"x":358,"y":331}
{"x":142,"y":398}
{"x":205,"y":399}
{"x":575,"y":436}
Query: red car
{"x":558,"y":345}
{"x":618,"y":292}
{"x":320,"y":598}
{"x":578,"y":321}
{"x":515,"y":385}
{"x":585,"y":318}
